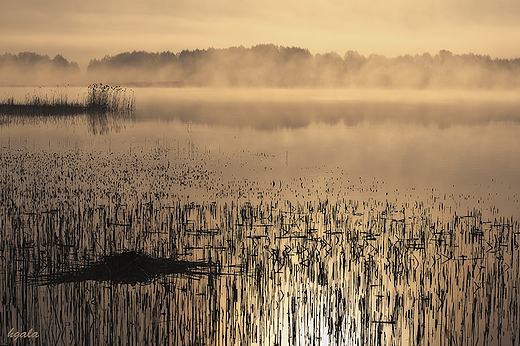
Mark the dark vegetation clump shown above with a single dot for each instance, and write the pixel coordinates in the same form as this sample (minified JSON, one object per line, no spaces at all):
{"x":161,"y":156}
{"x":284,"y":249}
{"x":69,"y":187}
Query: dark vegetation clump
{"x":129,"y":267}
{"x":111,"y":99}
{"x":99,"y":99}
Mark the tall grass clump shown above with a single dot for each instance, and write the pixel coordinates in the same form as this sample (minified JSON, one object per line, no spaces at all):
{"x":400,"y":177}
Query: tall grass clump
{"x":110,"y":99}
{"x":98,"y":98}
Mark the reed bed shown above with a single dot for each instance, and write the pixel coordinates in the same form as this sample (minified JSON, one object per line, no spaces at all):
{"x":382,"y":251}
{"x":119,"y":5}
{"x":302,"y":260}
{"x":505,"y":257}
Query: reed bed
{"x":109,"y":252}
{"x":109,"y":99}
{"x":99,"y":98}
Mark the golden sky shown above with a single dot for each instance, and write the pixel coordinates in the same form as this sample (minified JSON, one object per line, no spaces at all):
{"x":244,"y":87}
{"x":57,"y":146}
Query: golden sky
{"x":81,"y":30}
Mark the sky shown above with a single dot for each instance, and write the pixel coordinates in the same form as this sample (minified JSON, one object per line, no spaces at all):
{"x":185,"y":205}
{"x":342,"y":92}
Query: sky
{"x":82,"y":30}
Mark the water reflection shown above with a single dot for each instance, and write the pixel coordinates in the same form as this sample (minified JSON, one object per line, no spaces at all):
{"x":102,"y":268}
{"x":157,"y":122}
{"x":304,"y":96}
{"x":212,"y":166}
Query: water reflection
{"x":270,"y":110}
{"x":96,"y":123}
{"x":269,"y":116}
{"x":300,"y":221}
{"x":326,"y":272}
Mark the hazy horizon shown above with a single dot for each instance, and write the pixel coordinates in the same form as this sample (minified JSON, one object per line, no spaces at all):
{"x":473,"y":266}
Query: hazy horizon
{"x":84,"y":62}
{"x":265,"y":65}
{"x":81,"y":31}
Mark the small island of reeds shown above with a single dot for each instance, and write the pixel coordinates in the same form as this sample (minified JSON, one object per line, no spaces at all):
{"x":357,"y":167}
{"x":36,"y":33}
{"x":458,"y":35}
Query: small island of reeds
{"x":99,"y":98}
{"x":129,"y":267}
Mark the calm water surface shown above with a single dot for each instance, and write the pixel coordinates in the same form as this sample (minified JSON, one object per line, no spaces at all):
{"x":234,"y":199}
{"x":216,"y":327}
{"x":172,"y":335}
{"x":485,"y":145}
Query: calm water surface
{"x":335,"y":217}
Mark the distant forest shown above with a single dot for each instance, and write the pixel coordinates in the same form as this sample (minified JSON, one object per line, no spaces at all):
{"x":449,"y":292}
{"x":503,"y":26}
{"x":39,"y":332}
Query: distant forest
{"x":27,"y":68}
{"x":269,"y":65}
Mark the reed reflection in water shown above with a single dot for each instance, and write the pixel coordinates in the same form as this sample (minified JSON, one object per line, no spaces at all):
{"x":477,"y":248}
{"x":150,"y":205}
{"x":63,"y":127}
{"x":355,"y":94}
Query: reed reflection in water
{"x":326,"y":245}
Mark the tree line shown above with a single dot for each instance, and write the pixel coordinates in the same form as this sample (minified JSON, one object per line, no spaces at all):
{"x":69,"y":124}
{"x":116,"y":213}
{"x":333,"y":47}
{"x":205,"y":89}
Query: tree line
{"x":269,"y":65}
{"x":33,"y":68}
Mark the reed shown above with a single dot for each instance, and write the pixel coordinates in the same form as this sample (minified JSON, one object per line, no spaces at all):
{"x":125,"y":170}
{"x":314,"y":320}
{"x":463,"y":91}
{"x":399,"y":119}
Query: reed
{"x":99,"y":99}
{"x":169,"y":269}
{"x":108,"y":98}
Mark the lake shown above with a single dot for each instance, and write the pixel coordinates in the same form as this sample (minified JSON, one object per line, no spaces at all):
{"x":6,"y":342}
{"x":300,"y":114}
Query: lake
{"x":264,"y":217}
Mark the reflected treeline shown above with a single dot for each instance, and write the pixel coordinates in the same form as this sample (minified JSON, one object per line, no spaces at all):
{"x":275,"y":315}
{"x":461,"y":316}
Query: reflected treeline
{"x":272,"y":115}
{"x":269,"y":65}
{"x":31,"y":68}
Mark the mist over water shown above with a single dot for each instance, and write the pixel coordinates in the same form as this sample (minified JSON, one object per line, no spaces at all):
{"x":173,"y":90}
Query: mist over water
{"x":267,"y":66}
{"x":331,"y":217}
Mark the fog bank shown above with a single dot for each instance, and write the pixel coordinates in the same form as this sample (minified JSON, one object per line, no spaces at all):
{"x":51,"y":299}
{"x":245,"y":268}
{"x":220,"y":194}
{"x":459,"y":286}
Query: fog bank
{"x":268,"y":66}
{"x":28,"y":68}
